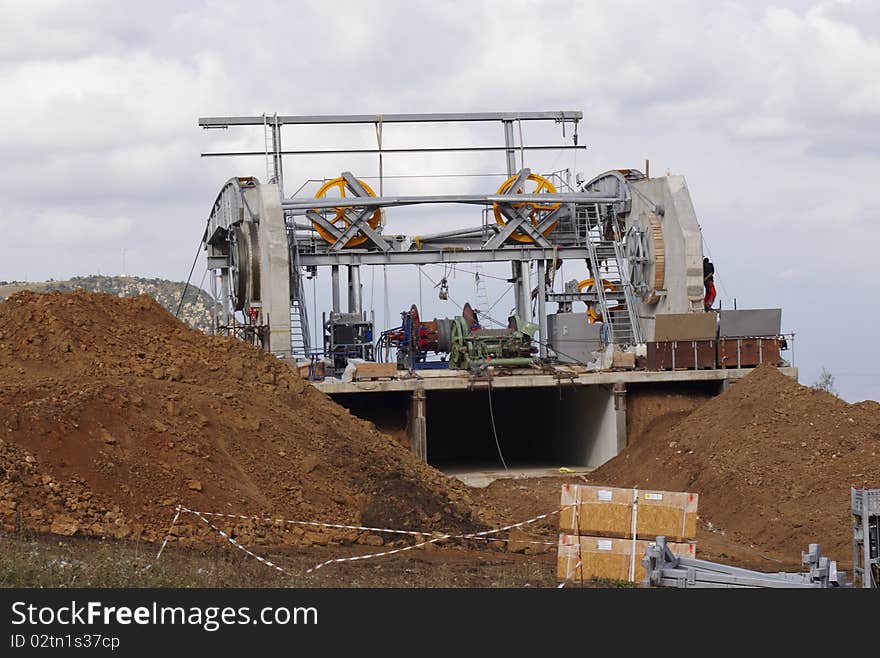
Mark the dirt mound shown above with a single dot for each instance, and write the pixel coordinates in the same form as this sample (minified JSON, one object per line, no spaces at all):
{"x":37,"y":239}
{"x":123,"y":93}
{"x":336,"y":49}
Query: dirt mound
{"x":772,"y":461}
{"x":112,"y":412}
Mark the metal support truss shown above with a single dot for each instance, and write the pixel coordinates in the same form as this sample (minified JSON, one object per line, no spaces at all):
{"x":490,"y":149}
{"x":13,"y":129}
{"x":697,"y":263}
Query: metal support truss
{"x":664,"y":569}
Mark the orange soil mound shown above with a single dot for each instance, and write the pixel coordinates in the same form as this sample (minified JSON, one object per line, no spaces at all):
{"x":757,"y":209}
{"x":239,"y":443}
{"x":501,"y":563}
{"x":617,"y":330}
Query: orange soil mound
{"x":112,"y":412}
{"x":773,"y":462}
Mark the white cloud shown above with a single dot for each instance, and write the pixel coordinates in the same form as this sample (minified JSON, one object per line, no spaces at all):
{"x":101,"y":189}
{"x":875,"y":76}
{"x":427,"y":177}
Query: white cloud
{"x":771,"y":111}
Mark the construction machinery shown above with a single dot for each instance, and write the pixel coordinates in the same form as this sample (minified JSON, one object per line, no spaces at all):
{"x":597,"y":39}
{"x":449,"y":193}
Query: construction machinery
{"x":462,"y":342}
{"x":637,"y":238}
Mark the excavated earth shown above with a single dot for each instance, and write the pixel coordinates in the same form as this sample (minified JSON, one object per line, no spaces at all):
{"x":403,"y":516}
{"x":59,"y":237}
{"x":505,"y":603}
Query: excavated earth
{"x":112,"y":413}
{"x":772,"y":460}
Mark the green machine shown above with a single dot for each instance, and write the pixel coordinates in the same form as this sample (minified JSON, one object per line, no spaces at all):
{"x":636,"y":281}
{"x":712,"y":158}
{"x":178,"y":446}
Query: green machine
{"x":474,"y":349}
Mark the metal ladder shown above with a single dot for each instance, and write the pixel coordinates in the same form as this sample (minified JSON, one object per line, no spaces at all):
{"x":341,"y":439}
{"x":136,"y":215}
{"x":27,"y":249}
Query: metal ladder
{"x":481,"y":296}
{"x":608,"y":255}
{"x":300,"y":340}
{"x":269,"y":147}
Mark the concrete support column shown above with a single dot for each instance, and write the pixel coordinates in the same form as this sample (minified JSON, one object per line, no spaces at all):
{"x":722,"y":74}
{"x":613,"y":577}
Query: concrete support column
{"x":725,"y":385}
{"x":620,"y":415}
{"x":416,"y":424}
{"x":334,"y":285}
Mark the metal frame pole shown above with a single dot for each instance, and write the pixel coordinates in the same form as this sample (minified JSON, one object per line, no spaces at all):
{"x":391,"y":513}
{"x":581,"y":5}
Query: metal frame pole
{"x":515,"y":267}
{"x":354,"y":289}
{"x":334,"y":285}
{"x":542,"y":308}
{"x":276,"y":155}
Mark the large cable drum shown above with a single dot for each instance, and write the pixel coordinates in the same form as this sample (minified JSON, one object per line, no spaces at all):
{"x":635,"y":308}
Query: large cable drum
{"x":646,"y":253}
{"x":244,"y":255}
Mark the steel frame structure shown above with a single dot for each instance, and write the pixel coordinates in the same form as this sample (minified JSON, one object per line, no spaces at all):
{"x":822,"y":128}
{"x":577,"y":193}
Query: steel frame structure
{"x":489,"y":242}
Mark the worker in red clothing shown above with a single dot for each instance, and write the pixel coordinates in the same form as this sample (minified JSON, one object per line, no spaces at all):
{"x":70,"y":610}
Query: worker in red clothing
{"x":709,"y":283}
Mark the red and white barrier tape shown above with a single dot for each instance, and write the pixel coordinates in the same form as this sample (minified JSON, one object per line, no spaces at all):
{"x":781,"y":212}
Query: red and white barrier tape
{"x":235,"y":543}
{"x":165,"y":542}
{"x":478,"y":536}
{"x":472,"y":535}
{"x":569,"y":578}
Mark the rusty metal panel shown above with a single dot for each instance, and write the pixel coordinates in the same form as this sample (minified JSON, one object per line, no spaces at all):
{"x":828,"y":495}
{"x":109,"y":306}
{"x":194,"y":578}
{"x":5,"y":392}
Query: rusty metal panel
{"x":685,"y":326}
{"x":682,"y":355}
{"x":707,"y":354}
{"x":747,"y":352}
{"x":659,"y":356}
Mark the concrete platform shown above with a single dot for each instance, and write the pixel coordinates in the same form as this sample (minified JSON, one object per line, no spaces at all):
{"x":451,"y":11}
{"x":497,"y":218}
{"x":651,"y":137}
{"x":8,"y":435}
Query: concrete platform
{"x":483,"y":478}
{"x":462,"y":380}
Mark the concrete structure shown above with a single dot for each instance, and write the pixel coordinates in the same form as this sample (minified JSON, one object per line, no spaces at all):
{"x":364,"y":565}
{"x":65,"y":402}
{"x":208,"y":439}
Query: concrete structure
{"x":568,"y":417}
{"x":264,"y":201}
{"x":666,"y":200}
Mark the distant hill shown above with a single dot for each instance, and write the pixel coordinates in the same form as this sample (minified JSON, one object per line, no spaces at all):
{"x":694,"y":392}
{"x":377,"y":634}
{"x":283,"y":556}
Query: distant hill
{"x":196,"y":310}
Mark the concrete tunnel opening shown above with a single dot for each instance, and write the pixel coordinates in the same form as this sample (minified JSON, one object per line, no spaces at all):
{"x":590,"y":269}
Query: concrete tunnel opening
{"x":537,"y":427}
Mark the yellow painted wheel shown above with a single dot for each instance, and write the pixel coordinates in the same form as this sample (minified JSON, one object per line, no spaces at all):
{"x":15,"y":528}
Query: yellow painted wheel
{"x":536,"y":210}
{"x":592,"y":314}
{"x":340,"y":218}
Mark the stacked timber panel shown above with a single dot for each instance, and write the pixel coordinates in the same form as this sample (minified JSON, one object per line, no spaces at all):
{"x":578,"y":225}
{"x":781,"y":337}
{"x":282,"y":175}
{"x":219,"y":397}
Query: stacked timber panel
{"x":605,"y":530}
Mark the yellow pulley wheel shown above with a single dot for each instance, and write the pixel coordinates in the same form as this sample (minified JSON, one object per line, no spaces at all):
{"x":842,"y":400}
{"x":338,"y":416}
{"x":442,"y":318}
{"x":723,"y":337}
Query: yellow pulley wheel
{"x":536,"y":210}
{"x":593,"y":315}
{"x":340,"y":218}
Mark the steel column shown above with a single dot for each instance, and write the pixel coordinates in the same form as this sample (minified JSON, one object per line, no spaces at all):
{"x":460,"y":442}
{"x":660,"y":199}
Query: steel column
{"x":525,"y":312}
{"x":334,"y":284}
{"x":276,"y":156}
{"x":354,"y":289}
{"x":542,"y":307}
{"x":511,"y":168}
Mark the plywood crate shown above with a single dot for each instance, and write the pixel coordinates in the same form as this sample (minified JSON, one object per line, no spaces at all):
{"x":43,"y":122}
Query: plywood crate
{"x":607,"y":558}
{"x":371,"y":370}
{"x":608,"y":512}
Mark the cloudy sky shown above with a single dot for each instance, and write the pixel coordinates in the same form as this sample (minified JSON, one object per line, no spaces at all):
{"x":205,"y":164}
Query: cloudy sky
{"x":770,"y":110}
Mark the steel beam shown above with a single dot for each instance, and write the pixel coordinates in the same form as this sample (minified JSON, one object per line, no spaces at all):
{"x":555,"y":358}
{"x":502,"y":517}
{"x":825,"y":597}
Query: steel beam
{"x":427,"y":149}
{"x":443,"y":117}
{"x":302,"y":203}
{"x":425,"y":256}
{"x":329,"y":226}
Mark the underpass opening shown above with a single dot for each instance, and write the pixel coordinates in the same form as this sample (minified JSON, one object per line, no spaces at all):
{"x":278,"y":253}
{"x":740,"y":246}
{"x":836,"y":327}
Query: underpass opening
{"x":536,"y":427}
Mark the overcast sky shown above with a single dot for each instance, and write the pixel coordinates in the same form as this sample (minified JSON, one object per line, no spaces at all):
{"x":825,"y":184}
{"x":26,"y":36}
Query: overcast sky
{"x":770,"y":110}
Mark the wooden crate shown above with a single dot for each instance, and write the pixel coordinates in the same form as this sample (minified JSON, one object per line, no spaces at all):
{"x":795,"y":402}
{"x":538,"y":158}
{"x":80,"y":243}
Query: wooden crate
{"x":623,"y":360}
{"x":367,"y":371}
{"x":608,"y":512}
{"x":607,"y":558}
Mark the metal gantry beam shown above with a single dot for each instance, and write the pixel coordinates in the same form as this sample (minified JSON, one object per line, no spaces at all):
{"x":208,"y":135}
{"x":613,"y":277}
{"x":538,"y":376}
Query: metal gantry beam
{"x":301,"y":203}
{"x":385,"y":151}
{"x":431,"y":117}
{"x":439,"y":256}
